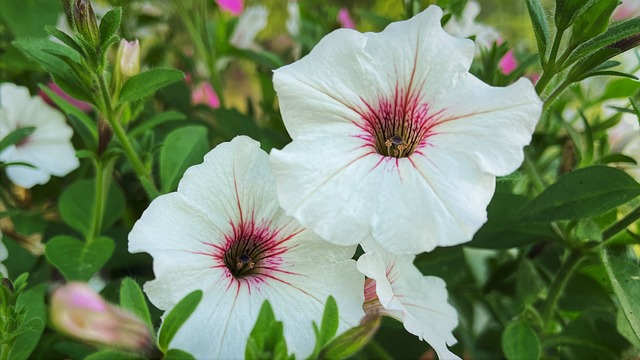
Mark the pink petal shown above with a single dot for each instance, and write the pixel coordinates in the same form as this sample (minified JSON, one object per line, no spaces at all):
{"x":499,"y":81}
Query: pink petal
{"x":508,"y":63}
{"x":234,"y":7}
{"x":344,"y":18}
{"x":81,"y":105}
{"x":204,"y":93}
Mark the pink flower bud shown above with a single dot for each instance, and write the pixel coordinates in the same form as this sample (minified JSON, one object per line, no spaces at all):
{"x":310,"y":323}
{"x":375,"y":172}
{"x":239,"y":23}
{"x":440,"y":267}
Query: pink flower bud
{"x":344,"y":19}
{"x":234,"y":7}
{"x":508,"y":63}
{"x":128,"y":58}
{"x":204,"y":93}
{"x":80,"y":105}
{"x":78,"y":311}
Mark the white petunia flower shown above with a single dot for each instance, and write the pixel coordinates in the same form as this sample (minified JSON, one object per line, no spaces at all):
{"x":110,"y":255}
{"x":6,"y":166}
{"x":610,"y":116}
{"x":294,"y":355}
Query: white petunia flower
{"x":393,"y":138}
{"x":48,"y":148}
{"x":396,"y":288}
{"x":250,"y":23}
{"x":224,"y":233}
{"x":466,"y":26}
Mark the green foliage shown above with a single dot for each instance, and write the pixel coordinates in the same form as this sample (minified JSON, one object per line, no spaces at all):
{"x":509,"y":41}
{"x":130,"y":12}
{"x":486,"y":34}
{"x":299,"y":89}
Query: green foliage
{"x":76,"y":205}
{"x":77,"y":260}
{"x":266,"y":340}
{"x":520,"y":342}
{"x":329,"y":325}
{"x":16,"y":136}
{"x":175,"y":354}
{"x":132,"y":299}
{"x":27,"y":18}
{"x":147,"y":83}
{"x":580,"y":194}
{"x":176,"y":318}
{"x":182,"y":148}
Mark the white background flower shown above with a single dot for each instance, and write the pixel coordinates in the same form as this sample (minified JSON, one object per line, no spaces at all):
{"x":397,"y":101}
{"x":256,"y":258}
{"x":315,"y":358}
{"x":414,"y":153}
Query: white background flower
{"x":48,"y":149}
{"x":466,"y":26}
{"x":4,"y":255}
{"x":420,"y":302}
{"x":224,"y":233}
{"x":393,"y":138}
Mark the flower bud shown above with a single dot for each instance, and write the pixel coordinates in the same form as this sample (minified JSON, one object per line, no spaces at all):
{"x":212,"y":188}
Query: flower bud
{"x":204,"y":94}
{"x":128,"y":59}
{"x":85,"y":23}
{"x":78,"y":311}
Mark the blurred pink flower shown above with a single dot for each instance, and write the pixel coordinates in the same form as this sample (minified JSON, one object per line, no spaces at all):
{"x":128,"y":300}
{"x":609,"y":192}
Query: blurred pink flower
{"x":626,"y":10}
{"x":80,"y":312}
{"x":508,"y":63}
{"x":203,"y":93}
{"x":344,"y":18}
{"x":234,"y":7}
{"x":81,"y":105}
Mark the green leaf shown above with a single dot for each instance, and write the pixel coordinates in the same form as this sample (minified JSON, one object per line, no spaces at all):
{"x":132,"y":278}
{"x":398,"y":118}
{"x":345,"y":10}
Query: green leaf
{"x":266,"y":340}
{"x":504,"y":230}
{"x":529,"y":284}
{"x":540,"y":25}
{"x":567,"y":10}
{"x":592,"y":22}
{"x":77,"y":260}
{"x":42,"y":51}
{"x":32,"y":302}
{"x":64,"y":37}
{"x":519,"y":341}
{"x":624,"y":276}
{"x":110,"y":24}
{"x":182,"y":148}
{"x":16,"y":136}
{"x":77,"y":202}
{"x":352,"y":341}
{"x":132,"y":299}
{"x":615,"y":33}
{"x":154,"y":121}
{"x":329,"y":325}
{"x":82,"y":123}
{"x":27,"y":18}
{"x":178,"y":315}
{"x":110,"y":354}
{"x":147,"y":83}
{"x":581,"y":194}
{"x":176,"y":354}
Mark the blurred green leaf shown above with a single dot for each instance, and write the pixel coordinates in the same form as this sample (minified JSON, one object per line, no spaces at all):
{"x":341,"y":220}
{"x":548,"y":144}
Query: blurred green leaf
{"x":35,"y":317}
{"x":504,"y":230}
{"x":581,"y":194}
{"x":540,"y":25}
{"x":132,"y":299}
{"x":16,"y":136}
{"x":82,"y":123}
{"x":147,"y":83}
{"x":176,"y":354}
{"x":182,"y":148}
{"x":529,"y":284}
{"x":592,"y":22}
{"x":27,"y":18}
{"x":155,"y":121}
{"x":352,"y":341}
{"x":329,"y":325}
{"x":176,"y":317}
{"x":77,"y":260}
{"x":520,"y":342}
{"x":266,"y":340}
{"x":624,"y":276}
{"x":110,"y":354}
{"x":76,"y":205}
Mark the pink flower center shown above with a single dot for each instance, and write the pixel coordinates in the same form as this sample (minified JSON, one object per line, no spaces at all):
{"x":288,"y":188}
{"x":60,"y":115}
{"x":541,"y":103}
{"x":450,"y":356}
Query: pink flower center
{"x":397,"y":126}
{"x":251,"y":250}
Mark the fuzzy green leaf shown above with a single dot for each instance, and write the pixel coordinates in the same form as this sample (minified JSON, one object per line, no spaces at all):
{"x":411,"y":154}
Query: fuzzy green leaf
{"x":77,"y":260}
{"x":147,"y":83}
{"x":178,"y":315}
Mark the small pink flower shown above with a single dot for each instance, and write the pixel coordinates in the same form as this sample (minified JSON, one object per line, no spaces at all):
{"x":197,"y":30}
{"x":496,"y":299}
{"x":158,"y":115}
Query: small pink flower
{"x":204,"y":93}
{"x":81,"y":105}
{"x":508,"y":63}
{"x":344,"y":18}
{"x":80,"y":312}
{"x":234,"y":7}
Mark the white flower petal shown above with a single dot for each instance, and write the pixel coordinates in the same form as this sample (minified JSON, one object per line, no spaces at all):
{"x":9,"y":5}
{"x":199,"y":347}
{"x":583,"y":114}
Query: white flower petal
{"x":493,"y":125}
{"x":420,"y":302}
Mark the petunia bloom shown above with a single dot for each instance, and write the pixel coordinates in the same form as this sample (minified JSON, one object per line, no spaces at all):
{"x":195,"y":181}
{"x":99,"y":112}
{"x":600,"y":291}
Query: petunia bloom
{"x":224,"y":233}
{"x":393,"y":138}
{"x":250,"y":23}
{"x":396,"y":288}
{"x":508,"y":63}
{"x":48,"y":148}
{"x":234,"y":7}
{"x":466,"y":26}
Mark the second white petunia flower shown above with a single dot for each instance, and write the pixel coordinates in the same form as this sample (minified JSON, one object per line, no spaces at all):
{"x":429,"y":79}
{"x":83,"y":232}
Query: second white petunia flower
{"x":223,"y":232}
{"x":394,"y":138}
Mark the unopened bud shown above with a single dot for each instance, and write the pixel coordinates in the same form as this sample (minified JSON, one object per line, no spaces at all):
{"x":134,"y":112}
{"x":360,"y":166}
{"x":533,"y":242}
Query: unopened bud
{"x":128,"y":58}
{"x":85,"y":23}
{"x":78,"y":311}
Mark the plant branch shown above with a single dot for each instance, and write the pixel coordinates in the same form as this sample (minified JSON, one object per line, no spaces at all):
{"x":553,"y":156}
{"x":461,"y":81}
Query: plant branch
{"x":620,"y":225}
{"x":557,"y":286}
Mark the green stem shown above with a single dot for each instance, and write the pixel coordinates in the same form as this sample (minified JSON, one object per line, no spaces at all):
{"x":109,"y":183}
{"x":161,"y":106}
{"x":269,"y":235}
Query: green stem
{"x":144,"y":175}
{"x":103,"y":175}
{"x":557,"y":286}
{"x":530,"y":168}
{"x":550,"y":69}
{"x":378,"y":352}
{"x":619,"y":226}
{"x":552,"y":97}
